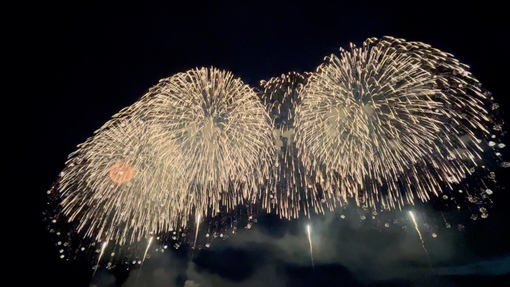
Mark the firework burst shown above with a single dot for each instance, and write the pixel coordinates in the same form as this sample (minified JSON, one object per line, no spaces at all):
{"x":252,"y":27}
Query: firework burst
{"x":222,"y":136}
{"x":115,"y":185}
{"x":196,"y":143}
{"x":390,"y":122}
{"x":384,"y":125}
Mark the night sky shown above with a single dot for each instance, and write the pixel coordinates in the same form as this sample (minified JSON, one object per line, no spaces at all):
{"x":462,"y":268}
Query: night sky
{"x":87,"y":62}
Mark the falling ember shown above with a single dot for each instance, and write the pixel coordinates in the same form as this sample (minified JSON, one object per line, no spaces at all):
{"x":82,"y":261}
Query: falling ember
{"x":421,"y":238}
{"x":196,"y":231}
{"x":308,"y":231}
{"x":103,"y":246}
{"x":121,"y":172}
{"x":143,"y":258}
{"x":147,"y":249}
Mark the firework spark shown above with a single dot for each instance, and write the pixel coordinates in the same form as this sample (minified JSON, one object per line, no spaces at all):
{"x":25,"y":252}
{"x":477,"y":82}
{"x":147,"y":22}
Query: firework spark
{"x":411,"y":214}
{"x":196,"y":231}
{"x":389,"y":122}
{"x":101,"y":252}
{"x":309,"y":233}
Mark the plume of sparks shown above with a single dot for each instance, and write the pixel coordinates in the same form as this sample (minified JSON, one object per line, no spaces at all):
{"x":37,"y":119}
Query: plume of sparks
{"x":196,"y":142}
{"x":389,"y":122}
{"x":309,"y":233}
{"x":290,"y":191}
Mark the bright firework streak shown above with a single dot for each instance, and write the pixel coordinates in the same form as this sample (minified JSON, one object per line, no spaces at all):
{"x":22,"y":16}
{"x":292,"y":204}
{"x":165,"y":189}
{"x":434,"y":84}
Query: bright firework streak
{"x":309,"y":232}
{"x":196,"y":231}
{"x":143,"y":258}
{"x":103,"y":246}
{"x":147,"y":249}
{"x":421,"y":238}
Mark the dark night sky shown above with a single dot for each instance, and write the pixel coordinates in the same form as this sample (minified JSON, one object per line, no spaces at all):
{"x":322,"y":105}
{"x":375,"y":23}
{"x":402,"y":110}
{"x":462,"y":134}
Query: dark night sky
{"x":87,"y":62}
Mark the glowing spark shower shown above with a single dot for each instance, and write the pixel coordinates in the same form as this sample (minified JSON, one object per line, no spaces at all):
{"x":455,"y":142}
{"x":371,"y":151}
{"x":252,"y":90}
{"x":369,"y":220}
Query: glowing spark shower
{"x":290,"y":191}
{"x":194,"y":143}
{"x":116,"y":185}
{"x":147,"y":249}
{"x":382,"y":125}
{"x":222,"y":136}
{"x":390,"y":122}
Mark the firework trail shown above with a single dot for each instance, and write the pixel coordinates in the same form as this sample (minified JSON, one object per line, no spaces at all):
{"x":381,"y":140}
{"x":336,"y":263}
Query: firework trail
{"x":309,"y":233}
{"x":389,"y":122}
{"x":195,"y":142}
{"x":411,"y":214}
{"x":147,"y":249}
{"x":143,"y":258}
{"x":196,"y":231}
{"x":290,"y":192}
{"x":103,"y":247}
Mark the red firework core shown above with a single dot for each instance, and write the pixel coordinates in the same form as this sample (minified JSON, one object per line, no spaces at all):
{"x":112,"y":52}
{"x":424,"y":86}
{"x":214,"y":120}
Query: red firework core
{"x":121,"y":172}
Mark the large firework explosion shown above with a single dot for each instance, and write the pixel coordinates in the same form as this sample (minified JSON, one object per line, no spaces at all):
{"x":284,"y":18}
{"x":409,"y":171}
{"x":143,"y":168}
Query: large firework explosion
{"x":196,"y":144}
{"x":382,"y":125}
{"x":390,"y":122}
